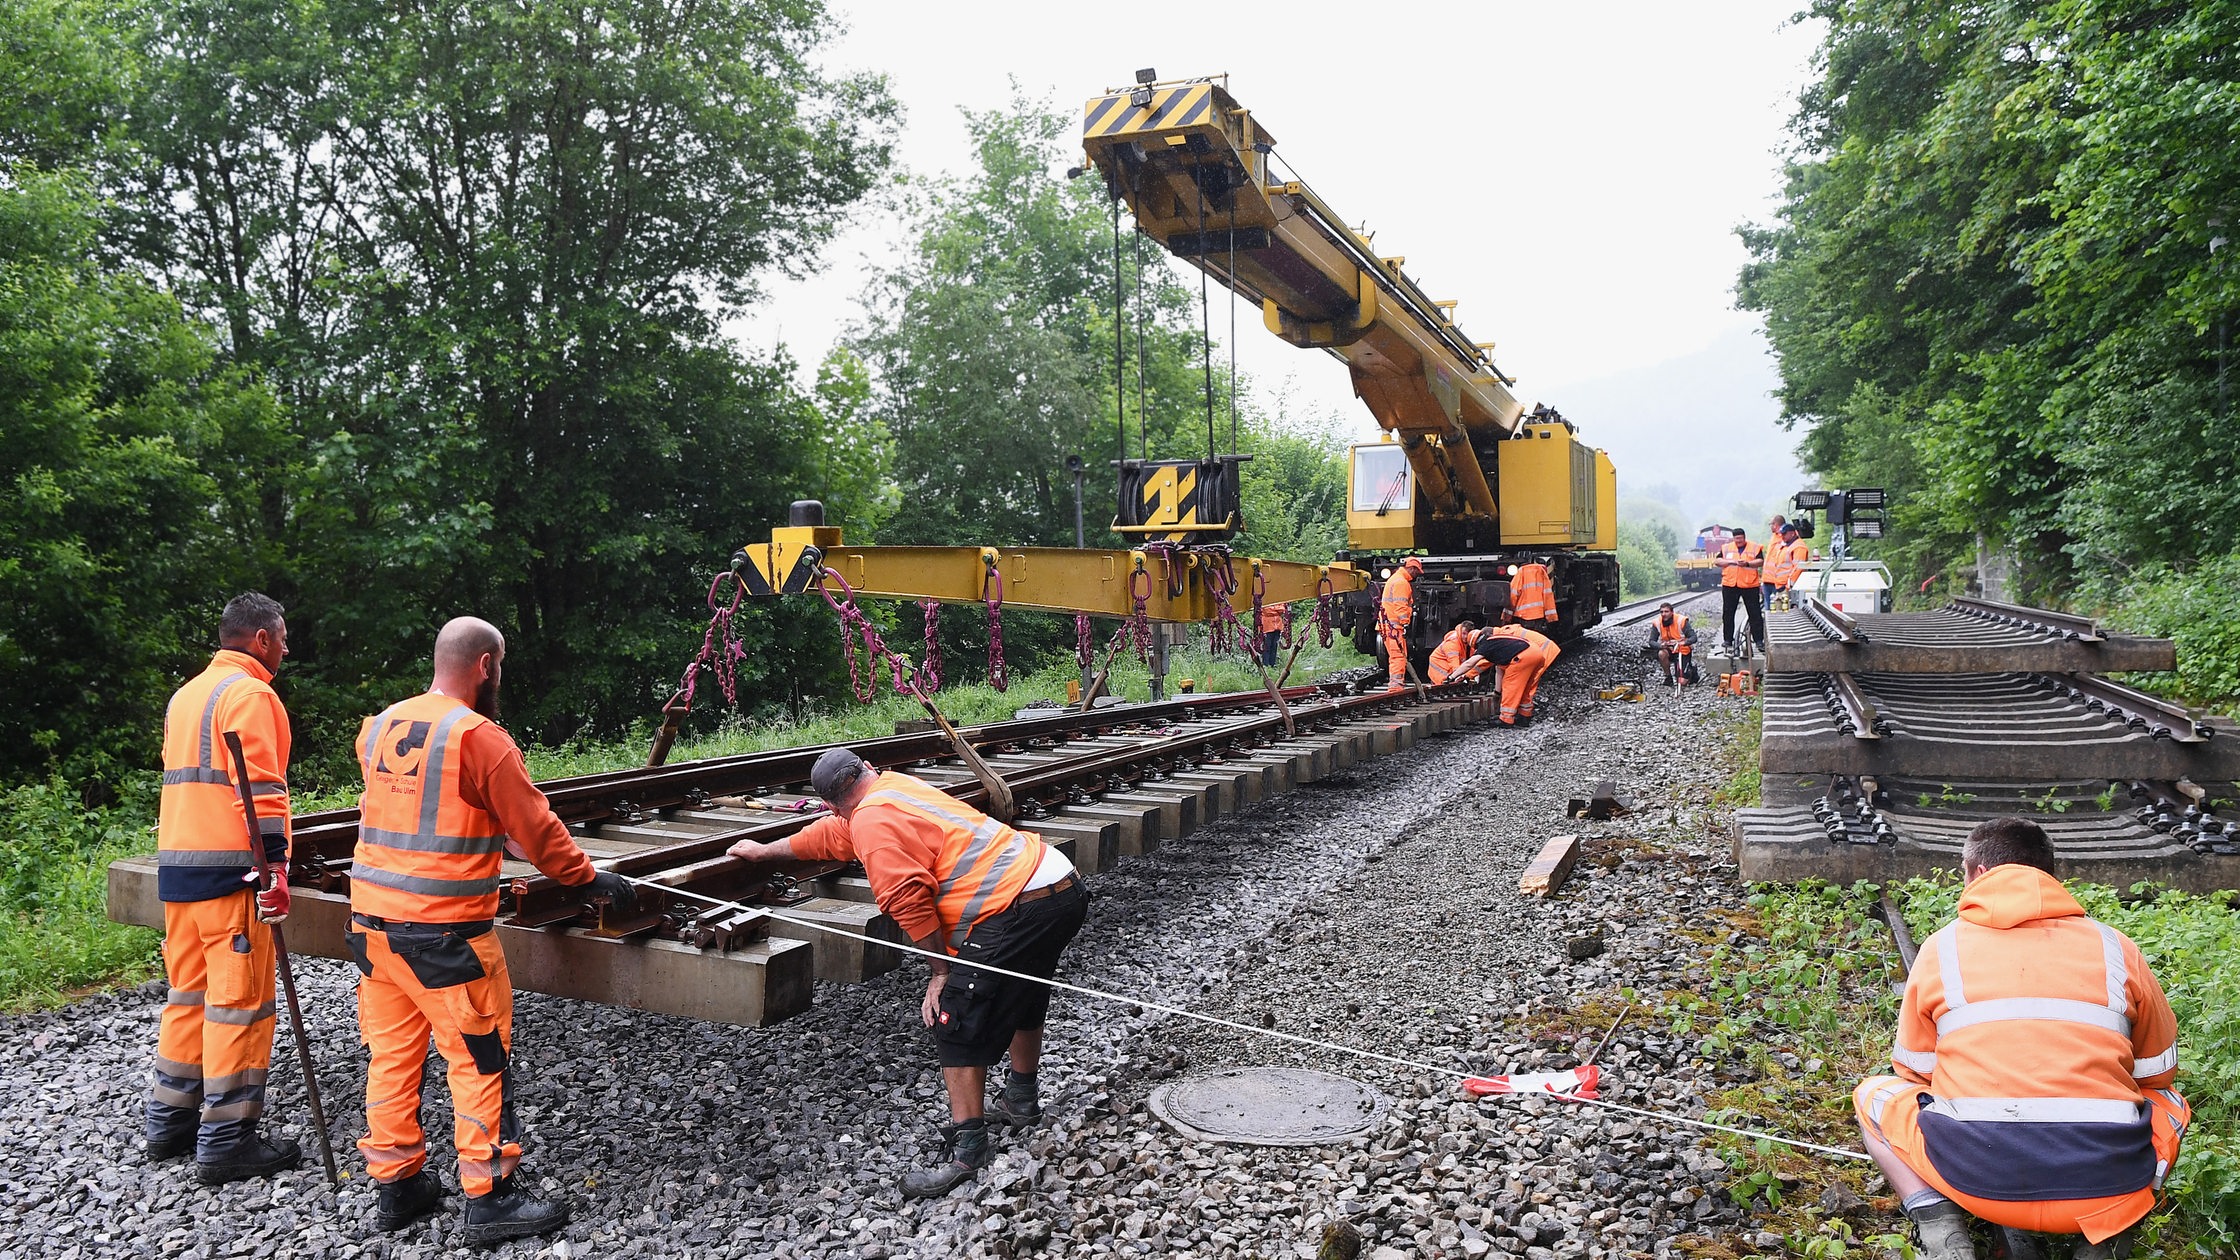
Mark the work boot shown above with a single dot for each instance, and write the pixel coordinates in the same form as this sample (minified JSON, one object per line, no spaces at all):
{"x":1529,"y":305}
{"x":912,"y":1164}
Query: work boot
{"x":509,"y":1211}
{"x":2020,"y":1244}
{"x":1020,"y":1105}
{"x":1944,"y":1232}
{"x":168,"y":1144}
{"x":256,"y":1157}
{"x":406,"y":1200}
{"x":965,"y":1150}
{"x":2116,"y":1248}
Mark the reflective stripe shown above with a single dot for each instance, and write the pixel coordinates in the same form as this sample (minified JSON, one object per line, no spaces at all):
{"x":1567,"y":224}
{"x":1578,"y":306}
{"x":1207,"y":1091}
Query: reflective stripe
{"x":2063,"y":1009}
{"x":376,"y":1155}
{"x":997,"y":870}
{"x":184,"y":997}
{"x":267,"y":787}
{"x":237,"y":1015}
{"x":2040,"y":1110}
{"x":210,"y":720}
{"x":267,"y":826}
{"x":2119,"y":975}
{"x":2143,"y":1068}
{"x":236,"y":1080}
{"x":204,"y":857}
{"x":430,"y":843}
{"x":1947,"y":944}
{"x":1923,"y":1061}
{"x":197,"y":774}
{"x":984,"y":833}
{"x":172,"y":1096}
{"x":177,"y":1070}
{"x":422,"y":884}
{"x":431,"y":780}
{"x":239,"y":1109}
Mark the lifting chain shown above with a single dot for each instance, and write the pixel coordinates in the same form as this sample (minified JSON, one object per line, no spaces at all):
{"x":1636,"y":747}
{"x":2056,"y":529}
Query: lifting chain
{"x":1138,"y":627}
{"x":991,"y":590}
{"x":1325,"y":600}
{"x":929,"y":669}
{"x":721,"y":649}
{"x":1084,"y":641}
{"x":855,"y":624}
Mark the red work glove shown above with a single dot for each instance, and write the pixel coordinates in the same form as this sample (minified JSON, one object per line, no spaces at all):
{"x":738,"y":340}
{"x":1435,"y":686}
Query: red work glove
{"x":272,"y":903}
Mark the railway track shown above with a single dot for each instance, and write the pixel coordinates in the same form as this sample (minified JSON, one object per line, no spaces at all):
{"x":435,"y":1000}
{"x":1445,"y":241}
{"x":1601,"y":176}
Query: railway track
{"x":1105,"y":784}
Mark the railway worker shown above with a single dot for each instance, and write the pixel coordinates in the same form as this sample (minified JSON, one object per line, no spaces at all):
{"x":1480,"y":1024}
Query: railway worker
{"x":1524,"y":655}
{"x":1395,"y":610}
{"x":446,"y":796}
{"x":214,"y":1046}
{"x":1532,"y":595}
{"x":1740,"y":562}
{"x":963,"y":886}
{"x":1270,"y":625}
{"x":1447,"y":658}
{"x":2034,"y":1057}
{"x":1674,"y":641}
{"x":1785,"y":563}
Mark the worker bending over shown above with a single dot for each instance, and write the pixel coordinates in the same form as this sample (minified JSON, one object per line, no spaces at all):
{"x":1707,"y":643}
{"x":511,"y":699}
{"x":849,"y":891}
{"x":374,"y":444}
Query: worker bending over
{"x":1523,"y":654}
{"x":1739,"y":575}
{"x":214,"y":1047}
{"x":446,"y":796}
{"x":963,"y":885}
{"x":1453,"y":650}
{"x":1785,"y":563}
{"x":1675,"y":643}
{"x":1395,"y":611}
{"x":2035,"y":1052}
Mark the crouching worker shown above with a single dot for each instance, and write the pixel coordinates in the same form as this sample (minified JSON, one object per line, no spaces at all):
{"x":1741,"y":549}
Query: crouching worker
{"x":2035,"y":1052}
{"x":446,"y":797}
{"x":960,"y":884}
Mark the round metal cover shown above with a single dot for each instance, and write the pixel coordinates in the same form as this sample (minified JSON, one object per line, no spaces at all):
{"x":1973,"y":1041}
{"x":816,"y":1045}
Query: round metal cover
{"x":1268,"y":1107}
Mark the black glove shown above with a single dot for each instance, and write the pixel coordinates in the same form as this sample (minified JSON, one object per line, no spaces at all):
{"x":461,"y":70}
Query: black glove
{"x":617,"y":889}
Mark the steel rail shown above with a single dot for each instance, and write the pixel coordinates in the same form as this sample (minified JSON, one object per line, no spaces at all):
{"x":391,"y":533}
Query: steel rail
{"x":2059,"y":624}
{"x":1833,"y":622}
{"x":1641,"y":610}
{"x":1860,"y":710}
{"x":2160,"y":718}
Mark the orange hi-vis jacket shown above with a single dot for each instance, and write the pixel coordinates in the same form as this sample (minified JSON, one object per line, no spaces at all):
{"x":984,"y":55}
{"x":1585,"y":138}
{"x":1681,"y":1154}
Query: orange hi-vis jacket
{"x":937,"y":865}
{"x":2036,"y":1030}
{"x":446,"y":792}
{"x":202,"y":842}
{"x":1449,"y":655}
{"x":1271,"y":618}
{"x":1746,"y":574}
{"x":1398,"y":605}
{"x":1786,"y":561}
{"x":1673,"y":633}
{"x":1531,"y":595}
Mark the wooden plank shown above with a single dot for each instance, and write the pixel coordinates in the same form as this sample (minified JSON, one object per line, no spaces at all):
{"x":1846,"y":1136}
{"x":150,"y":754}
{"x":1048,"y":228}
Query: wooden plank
{"x":1545,"y":876}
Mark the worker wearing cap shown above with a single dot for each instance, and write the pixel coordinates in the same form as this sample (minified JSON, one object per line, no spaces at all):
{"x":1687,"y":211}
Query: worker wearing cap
{"x":1395,"y":610}
{"x":214,"y":1046}
{"x":963,"y":886}
{"x":1785,"y":563}
{"x":1674,"y":641}
{"x":2034,"y":1056}
{"x":1524,"y":655}
{"x":1740,"y":572}
{"x":1453,"y":650}
{"x":446,"y":796}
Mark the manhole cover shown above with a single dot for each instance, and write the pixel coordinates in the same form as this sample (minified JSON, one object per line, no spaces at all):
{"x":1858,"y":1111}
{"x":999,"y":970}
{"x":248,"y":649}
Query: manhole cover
{"x":1268,"y":1107}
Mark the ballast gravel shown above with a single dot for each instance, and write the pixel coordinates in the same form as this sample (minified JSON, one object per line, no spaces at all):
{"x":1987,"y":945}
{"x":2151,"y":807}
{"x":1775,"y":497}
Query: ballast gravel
{"x":1378,"y":910}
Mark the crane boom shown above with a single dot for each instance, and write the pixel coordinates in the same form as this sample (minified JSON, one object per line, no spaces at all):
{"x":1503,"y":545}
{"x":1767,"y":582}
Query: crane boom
{"x":1195,"y":170}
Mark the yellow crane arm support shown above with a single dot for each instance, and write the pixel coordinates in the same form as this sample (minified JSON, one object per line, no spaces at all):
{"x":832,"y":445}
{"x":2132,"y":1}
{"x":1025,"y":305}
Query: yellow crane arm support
{"x":1194,"y":169}
{"x":1175,"y":585}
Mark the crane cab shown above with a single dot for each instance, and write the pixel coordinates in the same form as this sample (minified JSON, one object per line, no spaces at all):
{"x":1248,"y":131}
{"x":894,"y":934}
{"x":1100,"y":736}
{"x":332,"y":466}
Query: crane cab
{"x":1381,"y":499}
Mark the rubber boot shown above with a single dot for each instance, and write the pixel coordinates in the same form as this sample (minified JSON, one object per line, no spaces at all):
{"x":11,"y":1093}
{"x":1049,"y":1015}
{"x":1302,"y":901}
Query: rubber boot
{"x":965,"y":1150}
{"x":406,"y":1200}
{"x":1020,"y":1105}
{"x":256,"y":1157}
{"x":509,"y":1211}
{"x":2116,"y":1248}
{"x":1944,"y":1232}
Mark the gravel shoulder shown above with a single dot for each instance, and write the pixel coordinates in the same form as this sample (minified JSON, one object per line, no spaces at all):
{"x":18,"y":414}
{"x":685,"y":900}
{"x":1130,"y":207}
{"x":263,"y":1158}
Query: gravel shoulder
{"x":1379,"y":911}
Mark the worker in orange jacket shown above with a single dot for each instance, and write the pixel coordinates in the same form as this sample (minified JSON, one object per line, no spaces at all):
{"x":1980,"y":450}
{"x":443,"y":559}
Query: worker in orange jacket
{"x":2034,"y":1055}
{"x":1395,"y":610}
{"x":1532,"y":596}
{"x":1741,"y":569}
{"x":1453,"y":650}
{"x":446,"y":797}
{"x":964,"y":886}
{"x":214,"y":1047}
{"x":1785,"y":563}
{"x":1523,"y":654}
{"x":1270,"y":625}
{"x":1674,"y":641}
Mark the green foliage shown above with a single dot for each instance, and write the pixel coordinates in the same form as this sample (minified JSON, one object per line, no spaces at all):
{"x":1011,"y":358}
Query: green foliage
{"x":2196,"y":608}
{"x":55,"y":935}
{"x":1645,"y":555}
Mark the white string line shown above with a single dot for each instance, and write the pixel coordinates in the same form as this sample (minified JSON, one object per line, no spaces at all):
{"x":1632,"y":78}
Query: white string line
{"x":769,"y":912}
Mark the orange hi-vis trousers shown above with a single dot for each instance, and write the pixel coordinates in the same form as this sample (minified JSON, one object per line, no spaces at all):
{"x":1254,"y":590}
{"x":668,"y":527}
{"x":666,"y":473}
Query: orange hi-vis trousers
{"x":448,"y":981}
{"x":1890,"y":1108}
{"x":1396,"y":654}
{"x":1520,"y":681}
{"x":214,"y":1048}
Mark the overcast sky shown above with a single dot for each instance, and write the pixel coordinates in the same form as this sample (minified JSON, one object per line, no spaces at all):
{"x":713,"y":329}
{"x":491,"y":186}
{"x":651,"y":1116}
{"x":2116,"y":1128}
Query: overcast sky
{"x":1571,"y":173}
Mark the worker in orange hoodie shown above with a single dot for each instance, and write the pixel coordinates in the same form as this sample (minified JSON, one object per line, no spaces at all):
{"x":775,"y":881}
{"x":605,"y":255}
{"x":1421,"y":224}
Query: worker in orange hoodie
{"x":1396,"y":608}
{"x":1453,"y":650}
{"x":1524,"y":655}
{"x":2034,"y":1056}
{"x":446,"y":797}
{"x":215,"y":1044}
{"x":966,"y":887}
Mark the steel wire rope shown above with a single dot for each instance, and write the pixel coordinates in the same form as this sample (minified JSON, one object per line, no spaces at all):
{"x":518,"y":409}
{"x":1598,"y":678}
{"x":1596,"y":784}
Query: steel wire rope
{"x":1119,"y":332}
{"x":1143,"y":406}
{"x":1205,"y":321}
{"x":1218,"y":1022}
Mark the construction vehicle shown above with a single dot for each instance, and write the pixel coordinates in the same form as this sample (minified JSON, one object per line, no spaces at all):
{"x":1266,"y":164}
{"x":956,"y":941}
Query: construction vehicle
{"x":1465,"y":476}
{"x":1698,"y":567}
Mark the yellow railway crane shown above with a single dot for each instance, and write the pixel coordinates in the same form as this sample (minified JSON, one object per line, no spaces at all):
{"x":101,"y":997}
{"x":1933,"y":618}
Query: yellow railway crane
{"x":1466,"y":476}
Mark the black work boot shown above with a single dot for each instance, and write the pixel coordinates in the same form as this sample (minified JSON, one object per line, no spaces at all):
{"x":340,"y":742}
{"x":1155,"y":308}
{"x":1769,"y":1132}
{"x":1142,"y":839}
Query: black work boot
{"x":965,"y":1150}
{"x":1019,"y":1106}
{"x":2116,"y":1248}
{"x":406,"y":1200}
{"x":508,"y":1211}
{"x":255,"y":1157}
{"x":164,"y":1144}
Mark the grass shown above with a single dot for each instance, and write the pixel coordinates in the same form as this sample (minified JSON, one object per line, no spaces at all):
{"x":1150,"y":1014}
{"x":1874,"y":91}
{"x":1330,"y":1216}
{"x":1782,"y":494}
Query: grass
{"x":56,"y":940}
{"x":1745,"y":783}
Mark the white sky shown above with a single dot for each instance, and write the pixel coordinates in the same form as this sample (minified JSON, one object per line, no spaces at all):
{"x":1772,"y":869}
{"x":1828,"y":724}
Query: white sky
{"x":1572,"y":173}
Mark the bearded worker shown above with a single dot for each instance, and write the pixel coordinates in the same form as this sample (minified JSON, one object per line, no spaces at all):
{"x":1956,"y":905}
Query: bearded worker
{"x":447,"y":796}
{"x":964,"y":886}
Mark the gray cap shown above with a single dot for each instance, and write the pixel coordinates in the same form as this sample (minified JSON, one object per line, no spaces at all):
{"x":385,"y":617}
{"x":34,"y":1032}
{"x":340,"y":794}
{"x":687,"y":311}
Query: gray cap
{"x":835,"y":772}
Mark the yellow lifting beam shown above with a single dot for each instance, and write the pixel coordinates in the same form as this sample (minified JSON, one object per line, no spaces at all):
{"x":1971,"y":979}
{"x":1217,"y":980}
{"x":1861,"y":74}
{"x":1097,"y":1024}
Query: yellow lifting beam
{"x":1175,"y":585}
